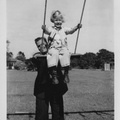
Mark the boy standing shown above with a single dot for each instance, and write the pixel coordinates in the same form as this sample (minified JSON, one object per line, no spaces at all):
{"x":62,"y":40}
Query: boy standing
{"x":45,"y":92}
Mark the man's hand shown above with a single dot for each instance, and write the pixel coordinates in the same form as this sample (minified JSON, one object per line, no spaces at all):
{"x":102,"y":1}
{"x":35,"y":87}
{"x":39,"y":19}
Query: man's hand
{"x":36,"y":55}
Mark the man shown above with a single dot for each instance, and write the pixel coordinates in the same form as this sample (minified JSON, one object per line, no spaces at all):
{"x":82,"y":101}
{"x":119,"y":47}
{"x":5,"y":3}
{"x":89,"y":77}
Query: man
{"x":45,"y":92}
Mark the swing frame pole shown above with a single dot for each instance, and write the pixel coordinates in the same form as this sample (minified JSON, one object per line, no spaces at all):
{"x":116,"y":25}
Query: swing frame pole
{"x":79,"y":28}
{"x":44,"y":18}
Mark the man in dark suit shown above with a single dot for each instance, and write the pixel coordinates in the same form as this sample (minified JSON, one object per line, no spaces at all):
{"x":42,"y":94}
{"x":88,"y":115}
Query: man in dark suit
{"x":45,"y":92}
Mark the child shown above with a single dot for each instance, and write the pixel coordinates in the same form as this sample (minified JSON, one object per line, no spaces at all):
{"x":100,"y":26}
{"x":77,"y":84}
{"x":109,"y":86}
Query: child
{"x":58,"y":49}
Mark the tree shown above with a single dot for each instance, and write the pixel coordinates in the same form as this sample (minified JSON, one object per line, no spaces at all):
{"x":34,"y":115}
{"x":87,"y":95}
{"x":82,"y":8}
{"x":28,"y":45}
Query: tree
{"x":87,"y":60}
{"x":83,"y":62}
{"x":104,"y":56}
{"x":29,"y":65}
{"x":19,"y":65}
{"x":8,"y":54}
{"x":8,"y":43}
{"x":9,"y":58}
{"x":21,"y":56}
{"x":90,"y":59}
{"x":74,"y":61}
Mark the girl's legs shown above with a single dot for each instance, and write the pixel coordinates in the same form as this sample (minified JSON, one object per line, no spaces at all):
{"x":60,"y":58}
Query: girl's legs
{"x":64,"y":57}
{"x":52,"y":60}
{"x":66,"y":74}
{"x":52,"y":57}
{"x":53,"y":73}
{"x":65,"y":63}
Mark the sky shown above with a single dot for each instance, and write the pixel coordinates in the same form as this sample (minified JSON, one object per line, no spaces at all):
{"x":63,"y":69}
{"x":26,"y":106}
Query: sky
{"x":25,"y":18}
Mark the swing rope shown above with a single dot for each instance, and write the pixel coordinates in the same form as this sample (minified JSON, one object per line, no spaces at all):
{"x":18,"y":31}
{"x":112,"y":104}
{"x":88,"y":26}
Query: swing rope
{"x":44,"y":18}
{"x":79,"y":28}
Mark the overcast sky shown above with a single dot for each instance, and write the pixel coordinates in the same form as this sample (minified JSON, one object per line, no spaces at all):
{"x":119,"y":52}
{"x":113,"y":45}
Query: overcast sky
{"x":25,"y":18}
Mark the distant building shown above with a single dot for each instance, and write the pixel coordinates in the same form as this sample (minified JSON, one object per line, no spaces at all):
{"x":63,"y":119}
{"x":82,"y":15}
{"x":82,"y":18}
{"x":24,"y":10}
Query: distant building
{"x":108,"y":66}
{"x":10,"y":63}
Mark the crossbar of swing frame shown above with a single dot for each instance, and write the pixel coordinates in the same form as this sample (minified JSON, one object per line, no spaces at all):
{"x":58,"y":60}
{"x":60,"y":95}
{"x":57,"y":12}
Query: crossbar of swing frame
{"x":71,"y":55}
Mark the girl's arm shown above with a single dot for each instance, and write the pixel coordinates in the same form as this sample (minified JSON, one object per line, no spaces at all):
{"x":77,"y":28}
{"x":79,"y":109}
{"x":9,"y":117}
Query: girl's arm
{"x":71,"y":31}
{"x":45,"y":30}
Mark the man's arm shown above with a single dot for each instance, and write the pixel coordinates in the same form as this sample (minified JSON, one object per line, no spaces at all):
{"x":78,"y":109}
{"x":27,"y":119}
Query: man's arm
{"x":34,"y":59}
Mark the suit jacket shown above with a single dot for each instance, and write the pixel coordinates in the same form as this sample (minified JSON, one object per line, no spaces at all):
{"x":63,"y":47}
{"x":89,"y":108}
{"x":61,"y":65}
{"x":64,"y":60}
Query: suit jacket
{"x":43,"y":82}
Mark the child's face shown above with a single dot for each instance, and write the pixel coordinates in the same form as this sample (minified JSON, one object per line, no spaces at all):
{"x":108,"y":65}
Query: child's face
{"x":57,"y":23}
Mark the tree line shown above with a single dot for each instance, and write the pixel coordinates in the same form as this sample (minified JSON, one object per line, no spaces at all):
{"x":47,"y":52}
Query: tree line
{"x":93,"y":61}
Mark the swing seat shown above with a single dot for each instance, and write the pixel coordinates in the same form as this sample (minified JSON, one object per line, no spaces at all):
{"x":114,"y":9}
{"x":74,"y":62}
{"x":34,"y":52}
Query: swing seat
{"x":74,"y":55}
{"x":38,"y":55}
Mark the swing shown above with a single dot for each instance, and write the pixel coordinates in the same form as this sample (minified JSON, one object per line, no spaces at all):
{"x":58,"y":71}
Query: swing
{"x":72,"y":55}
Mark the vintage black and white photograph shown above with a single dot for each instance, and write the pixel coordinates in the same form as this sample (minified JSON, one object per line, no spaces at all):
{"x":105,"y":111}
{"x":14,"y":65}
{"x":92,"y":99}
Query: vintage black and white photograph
{"x":60,"y":59}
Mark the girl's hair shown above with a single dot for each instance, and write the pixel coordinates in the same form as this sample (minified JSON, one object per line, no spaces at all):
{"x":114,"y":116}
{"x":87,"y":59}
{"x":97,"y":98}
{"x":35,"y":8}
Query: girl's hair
{"x":55,"y":15}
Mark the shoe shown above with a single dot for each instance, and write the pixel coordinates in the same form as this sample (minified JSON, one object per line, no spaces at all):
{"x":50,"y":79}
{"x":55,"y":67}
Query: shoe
{"x":55,"y":80}
{"x":66,"y":78}
{"x":54,"y":77}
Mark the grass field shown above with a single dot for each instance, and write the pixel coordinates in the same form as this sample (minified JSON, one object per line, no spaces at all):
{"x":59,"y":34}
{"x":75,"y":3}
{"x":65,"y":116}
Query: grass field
{"x":89,"y":91}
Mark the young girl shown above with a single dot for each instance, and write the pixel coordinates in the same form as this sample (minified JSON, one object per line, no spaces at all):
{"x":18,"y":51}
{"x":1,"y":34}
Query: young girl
{"x":58,"y":49}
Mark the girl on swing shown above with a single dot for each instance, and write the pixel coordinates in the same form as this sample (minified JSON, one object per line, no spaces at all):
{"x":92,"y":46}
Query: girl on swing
{"x":58,"y":48}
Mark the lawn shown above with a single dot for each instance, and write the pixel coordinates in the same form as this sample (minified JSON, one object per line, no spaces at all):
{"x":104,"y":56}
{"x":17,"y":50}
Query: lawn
{"x":89,"y":91}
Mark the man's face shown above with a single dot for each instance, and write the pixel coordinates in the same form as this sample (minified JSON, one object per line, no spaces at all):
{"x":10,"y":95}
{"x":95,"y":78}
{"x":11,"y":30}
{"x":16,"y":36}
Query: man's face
{"x":41,"y":47}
